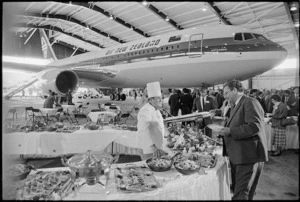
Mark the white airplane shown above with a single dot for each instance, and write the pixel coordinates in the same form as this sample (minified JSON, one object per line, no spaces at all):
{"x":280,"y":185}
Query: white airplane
{"x":205,"y":55}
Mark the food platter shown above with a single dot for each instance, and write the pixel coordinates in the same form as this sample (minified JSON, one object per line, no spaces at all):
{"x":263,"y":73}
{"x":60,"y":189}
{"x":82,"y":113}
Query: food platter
{"x":44,"y":185}
{"x":187,"y":167}
{"x":135,"y":179}
{"x":19,"y":171}
{"x":159,"y":164}
{"x":204,"y":160}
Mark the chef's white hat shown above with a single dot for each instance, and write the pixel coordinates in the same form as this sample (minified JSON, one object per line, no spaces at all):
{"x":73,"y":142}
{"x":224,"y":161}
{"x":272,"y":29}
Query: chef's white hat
{"x":153,"y":89}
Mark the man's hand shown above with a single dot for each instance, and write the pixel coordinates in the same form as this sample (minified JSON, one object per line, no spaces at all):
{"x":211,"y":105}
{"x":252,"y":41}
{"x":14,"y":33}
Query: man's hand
{"x":158,"y":153}
{"x":225,"y":131}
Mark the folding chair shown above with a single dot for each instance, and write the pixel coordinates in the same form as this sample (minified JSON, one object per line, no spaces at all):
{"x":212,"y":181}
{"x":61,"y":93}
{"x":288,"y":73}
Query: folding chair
{"x":30,"y":114}
{"x":39,"y":116}
{"x":12,"y":118}
{"x":125,"y":116}
{"x":79,"y":115}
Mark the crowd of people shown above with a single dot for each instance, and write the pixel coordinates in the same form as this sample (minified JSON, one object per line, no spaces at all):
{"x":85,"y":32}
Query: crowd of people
{"x":53,"y":100}
{"x":190,"y":101}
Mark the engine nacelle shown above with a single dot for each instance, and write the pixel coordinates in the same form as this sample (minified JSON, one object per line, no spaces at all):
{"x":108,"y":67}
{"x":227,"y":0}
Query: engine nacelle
{"x":58,"y":81}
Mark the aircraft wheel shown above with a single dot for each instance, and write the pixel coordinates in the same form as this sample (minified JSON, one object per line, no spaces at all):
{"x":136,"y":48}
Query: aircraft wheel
{"x":112,"y":96}
{"x":84,"y":97}
{"x":123,"y":97}
{"x":118,"y":97}
{"x":96,"y":96}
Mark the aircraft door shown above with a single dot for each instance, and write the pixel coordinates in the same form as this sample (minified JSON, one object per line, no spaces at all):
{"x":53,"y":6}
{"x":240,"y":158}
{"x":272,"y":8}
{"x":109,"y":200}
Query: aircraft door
{"x":195,"y":45}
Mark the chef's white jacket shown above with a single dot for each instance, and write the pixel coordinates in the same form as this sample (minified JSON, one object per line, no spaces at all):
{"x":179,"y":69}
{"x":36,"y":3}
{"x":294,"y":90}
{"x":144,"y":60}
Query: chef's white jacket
{"x":150,"y":128}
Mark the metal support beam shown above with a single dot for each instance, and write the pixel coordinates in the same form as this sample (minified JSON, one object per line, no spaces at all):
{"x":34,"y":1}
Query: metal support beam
{"x":29,"y":36}
{"x":52,"y":41}
{"x":163,"y":16}
{"x":48,"y":27}
{"x":70,"y":19}
{"x":218,"y":13}
{"x":107,"y":14}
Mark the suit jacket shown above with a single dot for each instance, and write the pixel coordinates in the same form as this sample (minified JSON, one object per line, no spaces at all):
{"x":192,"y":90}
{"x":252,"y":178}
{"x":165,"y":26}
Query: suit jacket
{"x":247,"y":142}
{"x":186,"y":104}
{"x":208,"y":105}
{"x":174,"y":101}
{"x":280,"y":113}
{"x":262,"y":103}
{"x":291,"y":102}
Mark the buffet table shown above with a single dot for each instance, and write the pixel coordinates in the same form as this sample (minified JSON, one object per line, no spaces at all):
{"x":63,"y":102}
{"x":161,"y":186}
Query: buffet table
{"x":95,"y":115}
{"x":52,"y":144}
{"x":212,"y":185}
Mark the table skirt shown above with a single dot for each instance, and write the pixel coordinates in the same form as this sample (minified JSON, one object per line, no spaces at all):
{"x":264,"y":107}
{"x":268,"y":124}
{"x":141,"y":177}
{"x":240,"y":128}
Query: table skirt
{"x":292,"y":136}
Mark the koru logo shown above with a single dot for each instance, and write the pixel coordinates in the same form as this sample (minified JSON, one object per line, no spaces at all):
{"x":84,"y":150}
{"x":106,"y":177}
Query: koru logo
{"x":44,"y":47}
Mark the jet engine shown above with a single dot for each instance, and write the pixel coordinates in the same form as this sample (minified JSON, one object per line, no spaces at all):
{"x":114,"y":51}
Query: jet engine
{"x":58,"y":81}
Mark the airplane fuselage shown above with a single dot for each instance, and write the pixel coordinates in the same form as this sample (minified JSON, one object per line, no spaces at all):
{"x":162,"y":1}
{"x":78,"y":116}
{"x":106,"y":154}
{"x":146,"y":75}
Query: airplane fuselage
{"x":187,"y":58}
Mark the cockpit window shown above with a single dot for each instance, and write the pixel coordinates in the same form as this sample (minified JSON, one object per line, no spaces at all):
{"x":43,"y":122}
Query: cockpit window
{"x":259,"y":37}
{"x":238,"y":37}
{"x":248,"y":36}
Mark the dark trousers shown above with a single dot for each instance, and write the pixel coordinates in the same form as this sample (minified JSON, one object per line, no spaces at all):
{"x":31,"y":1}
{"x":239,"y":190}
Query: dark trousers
{"x":245,"y":178}
{"x":174,"y":111}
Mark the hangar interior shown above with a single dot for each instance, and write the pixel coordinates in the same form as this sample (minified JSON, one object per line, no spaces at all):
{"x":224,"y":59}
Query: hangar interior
{"x":78,"y":27}
{"x":100,"y":123}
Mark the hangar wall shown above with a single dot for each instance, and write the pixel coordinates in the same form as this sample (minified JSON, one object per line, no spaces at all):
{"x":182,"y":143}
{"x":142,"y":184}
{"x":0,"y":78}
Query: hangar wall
{"x":15,"y":46}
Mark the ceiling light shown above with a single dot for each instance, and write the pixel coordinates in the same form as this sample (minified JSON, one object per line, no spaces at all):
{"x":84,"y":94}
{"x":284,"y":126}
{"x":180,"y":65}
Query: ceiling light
{"x":293,"y":8}
{"x":131,"y":28}
{"x":74,"y":48}
{"x":167,"y":19}
{"x":108,"y":36}
{"x":297,"y":24}
{"x":111,"y":17}
{"x":204,"y":8}
{"x":87,"y":27}
{"x":145,"y":3}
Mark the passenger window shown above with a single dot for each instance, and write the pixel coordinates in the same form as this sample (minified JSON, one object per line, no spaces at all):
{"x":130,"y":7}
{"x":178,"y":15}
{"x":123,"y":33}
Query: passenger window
{"x":162,"y":49}
{"x":177,"y":46}
{"x":238,"y":37}
{"x":248,"y":36}
{"x":167,"y":48}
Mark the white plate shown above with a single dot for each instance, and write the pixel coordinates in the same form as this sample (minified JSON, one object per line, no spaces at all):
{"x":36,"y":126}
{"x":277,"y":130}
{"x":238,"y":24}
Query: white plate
{"x":215,"y":127}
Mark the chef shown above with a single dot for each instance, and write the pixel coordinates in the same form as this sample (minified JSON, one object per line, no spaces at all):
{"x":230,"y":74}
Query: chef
{"x":150,"y":124}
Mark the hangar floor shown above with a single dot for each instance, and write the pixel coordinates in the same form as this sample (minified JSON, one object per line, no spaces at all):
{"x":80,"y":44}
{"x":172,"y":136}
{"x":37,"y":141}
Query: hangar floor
{"x":279,"y":180}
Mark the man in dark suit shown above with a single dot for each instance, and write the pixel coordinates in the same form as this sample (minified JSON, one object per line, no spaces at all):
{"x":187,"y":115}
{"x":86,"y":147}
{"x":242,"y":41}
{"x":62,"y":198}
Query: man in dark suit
{"x":186,"y":103}
{"x":174,"y":103}
{"x":204,"y":103}
{"x":244,"y":141}
{"x":261,"y":100}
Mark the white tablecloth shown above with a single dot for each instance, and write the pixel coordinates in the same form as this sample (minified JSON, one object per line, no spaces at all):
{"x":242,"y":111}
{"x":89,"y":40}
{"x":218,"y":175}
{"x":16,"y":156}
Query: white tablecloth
{"x":94,"y":115}
{"x":292,"y":136}
{"x":69,"y":108}
{"x":48,"y":111}
{"x":174,"y":186}
{"x":50,"y":144}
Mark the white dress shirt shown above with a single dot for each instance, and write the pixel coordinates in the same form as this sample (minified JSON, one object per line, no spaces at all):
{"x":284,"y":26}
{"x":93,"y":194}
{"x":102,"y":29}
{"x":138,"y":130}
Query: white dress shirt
{"x":150,"y":128}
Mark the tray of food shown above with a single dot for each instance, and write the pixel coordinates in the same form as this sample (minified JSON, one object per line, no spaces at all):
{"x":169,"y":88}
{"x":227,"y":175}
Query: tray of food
{"x":204,"y":160}
{"x":19,"y":171}
{"x":179,"y":158}
{"x":187,"y":167}
{"x":159,"y":164}
{"x":135,"y":179}
{"x":44,"y":185}
{"x":215,"y":127}
{"x":187,"y":117}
